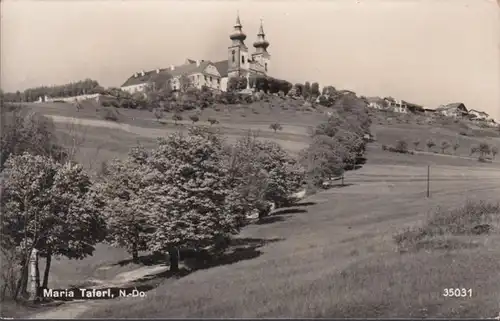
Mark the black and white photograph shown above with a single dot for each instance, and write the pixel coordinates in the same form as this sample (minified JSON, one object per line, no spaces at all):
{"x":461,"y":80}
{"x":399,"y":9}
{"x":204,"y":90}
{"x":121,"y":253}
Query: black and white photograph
{"x":250,"y":159}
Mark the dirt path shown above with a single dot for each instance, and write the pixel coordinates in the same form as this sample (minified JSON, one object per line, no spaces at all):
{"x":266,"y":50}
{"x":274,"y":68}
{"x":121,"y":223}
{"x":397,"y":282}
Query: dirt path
{"x":75,"y":308}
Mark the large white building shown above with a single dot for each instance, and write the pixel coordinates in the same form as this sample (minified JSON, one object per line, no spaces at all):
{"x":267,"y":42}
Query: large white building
{"x":214,"y":75}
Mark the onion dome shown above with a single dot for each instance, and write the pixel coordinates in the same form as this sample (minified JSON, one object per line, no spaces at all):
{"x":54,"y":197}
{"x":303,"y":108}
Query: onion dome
{"x":238,"y":34}
{"x":261,"y":39}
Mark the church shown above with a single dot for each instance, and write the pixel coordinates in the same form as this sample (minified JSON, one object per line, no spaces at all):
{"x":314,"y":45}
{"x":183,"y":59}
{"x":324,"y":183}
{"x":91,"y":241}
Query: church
{"x":214,"y":75}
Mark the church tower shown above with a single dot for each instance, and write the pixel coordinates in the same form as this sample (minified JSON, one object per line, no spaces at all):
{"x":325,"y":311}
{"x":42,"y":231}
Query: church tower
{"x":238,"y":52}
{"x":261,"y":55}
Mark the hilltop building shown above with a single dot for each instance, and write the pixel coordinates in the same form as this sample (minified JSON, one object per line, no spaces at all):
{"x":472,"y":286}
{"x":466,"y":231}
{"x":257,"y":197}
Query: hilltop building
{"x":214,"y":75}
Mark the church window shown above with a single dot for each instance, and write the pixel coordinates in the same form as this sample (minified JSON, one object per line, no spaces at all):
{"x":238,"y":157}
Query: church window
{"x":265,"y":66}
{"x":233,"y":52}
{"x":242,"y":59}
{"x":210,"y":78}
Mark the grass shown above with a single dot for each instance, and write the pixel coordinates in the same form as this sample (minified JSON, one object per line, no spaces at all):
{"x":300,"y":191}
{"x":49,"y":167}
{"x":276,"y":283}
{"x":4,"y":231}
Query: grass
{"x":338,"y":258}
{"x":335,"y":255}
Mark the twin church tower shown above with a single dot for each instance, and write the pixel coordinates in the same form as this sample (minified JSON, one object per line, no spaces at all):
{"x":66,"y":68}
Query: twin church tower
{"x":240,"y":61}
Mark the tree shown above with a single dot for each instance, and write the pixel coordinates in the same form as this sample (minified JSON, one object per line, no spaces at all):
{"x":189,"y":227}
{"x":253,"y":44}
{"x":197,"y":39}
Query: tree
{"x":262,"y":172}
{"x":50,"y":207}
{"x":315,"y":90}
{"x":194,"y":118}
{"x":120,"y":189}
{"x":484,"y":149}
{"x":275,"y":126}
{"x":444,"y":146}
{"x":31,"y":133}
{"x":416,"y":143}
{"x":322,"y":161}
{"x":473,"y":149}
{"x":158,"y":112}
{"x":197,"y":208}
{"x":306,"y":93}
{"x":494,"y":151}
{"x":176,"y":117}
{"x":401,"y":146}
{"x":456,"y":145}
{"x":430,"y":143}
{"x":212,"y":121}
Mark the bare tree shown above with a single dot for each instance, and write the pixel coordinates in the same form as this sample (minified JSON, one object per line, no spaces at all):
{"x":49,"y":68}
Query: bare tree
{"x":276,"y":127}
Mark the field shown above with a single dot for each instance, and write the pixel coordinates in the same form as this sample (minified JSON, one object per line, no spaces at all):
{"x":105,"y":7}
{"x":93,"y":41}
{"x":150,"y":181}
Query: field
{"x":333,"y":255}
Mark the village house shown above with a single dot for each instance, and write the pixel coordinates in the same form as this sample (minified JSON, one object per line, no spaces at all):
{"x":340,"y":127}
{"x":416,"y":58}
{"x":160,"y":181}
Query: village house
{"x":456,"y":110}
{"x":478,"y":115}
{"x":214,"y":75}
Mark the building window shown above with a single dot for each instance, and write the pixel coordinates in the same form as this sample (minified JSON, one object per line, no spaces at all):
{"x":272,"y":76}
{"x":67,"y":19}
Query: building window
{"x":265,"y":66}
{"x":233,"y":52}
{"x":242,"y":59}
{"x":218,"y":81}
{"x":210,"y":78}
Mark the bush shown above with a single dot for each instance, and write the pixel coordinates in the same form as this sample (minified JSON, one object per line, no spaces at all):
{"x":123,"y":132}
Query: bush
{"x":110,"y":114}
{"x":194,"y":118}
{"x":275,"y":127}
{"x":212,"y":121}
{"x":401,"y":146}
{"x":472,"y":218}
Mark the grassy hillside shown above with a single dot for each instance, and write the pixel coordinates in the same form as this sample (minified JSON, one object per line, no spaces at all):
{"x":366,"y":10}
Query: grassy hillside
{"x":334,"y":254}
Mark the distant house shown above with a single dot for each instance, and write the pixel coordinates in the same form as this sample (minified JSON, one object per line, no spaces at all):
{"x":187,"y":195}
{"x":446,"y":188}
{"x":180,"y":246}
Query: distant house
{"x":414,"y":108}
{"x":376,"y":103}
{"x":453,"y":110}
{"x":478,"y":115}
{"x":398,"y":106}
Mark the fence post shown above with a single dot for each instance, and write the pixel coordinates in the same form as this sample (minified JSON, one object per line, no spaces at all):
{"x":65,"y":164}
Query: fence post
{"x":428,"y":180}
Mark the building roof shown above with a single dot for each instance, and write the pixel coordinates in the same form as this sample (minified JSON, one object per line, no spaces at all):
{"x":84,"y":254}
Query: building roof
{"x":376,"y":100}
{"x":452,"y":106}
{"x":478,"y":112}
{"x":189,"y":67}
{"x":222,"y":66}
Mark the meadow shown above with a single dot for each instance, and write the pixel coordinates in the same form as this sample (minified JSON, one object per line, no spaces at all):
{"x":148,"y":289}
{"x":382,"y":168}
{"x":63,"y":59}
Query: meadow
{"x":333,"y":254}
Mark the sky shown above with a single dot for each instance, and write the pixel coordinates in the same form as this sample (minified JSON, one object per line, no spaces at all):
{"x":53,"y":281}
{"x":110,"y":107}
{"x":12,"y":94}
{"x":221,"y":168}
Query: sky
{"x":429,"y":52}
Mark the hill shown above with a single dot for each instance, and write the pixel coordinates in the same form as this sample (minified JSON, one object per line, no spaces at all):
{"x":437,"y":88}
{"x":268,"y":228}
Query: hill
{"x":335,"y":253}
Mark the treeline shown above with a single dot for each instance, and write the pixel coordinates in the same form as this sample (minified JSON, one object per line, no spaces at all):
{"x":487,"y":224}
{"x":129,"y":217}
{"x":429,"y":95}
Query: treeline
{"x":191,"y":192}
{"x":83,"y":87}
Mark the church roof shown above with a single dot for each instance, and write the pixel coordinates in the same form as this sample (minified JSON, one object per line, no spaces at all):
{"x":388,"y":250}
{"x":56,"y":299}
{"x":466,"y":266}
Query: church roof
{"x":222,"y":67}
{"x":185,"y":69}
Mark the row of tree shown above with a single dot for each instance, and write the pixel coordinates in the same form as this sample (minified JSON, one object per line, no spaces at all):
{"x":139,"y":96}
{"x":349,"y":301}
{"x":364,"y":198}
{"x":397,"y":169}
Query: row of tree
{"x":192,"y":191}
{"x":83,"y":87}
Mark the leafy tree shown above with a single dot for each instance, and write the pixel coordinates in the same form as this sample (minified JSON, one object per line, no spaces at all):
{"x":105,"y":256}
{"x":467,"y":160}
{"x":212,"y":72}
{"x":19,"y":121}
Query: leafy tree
{"x":29,"y":132}
{"x":306,"y":93}
{"x":322,"y":160}
{"x":494,"y":151}
{"x":444,"y":146}
{"x":275,"y":126}
{"x":484,"y":149}
{"x":474,"y":149}
{"x":194,"y":118}
{"x":158,"y":113}
{"x":401,"y":146}
{"x":455,"y":146}
{"x":430,"y":143}
{"x":416,"y":143}
{"x":127,"y":225}
{"x":176,"y":117}
{"x":262,"y":172}
{"x":50,"y":207}
{"x":187,"y":196}
{"x":315,"y":89}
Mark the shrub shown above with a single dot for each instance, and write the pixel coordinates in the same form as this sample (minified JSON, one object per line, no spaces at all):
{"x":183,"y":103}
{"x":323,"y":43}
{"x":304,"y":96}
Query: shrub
{"x":176,"y":117}
{"x":455,"y":147}
{"x":158,"y":113}
{"x":275,"y":127}
{"x":416,"y":143}
{"x":472,"y":218}
{"x":110,"y":114}
{"x":401,"y":146}
{"x":494,"y":151}
{"x":430,"y":143}
{"x":194,"y":118}
{"x":212,"y":121}
{"x":444,"y":146}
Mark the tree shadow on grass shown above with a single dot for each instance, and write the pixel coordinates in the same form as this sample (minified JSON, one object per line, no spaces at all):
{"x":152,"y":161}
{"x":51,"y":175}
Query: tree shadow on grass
{"x":289,"y":210}
{"x":269,"y":220}
{"x":299,"y":204}
{"x":148,"y":260}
